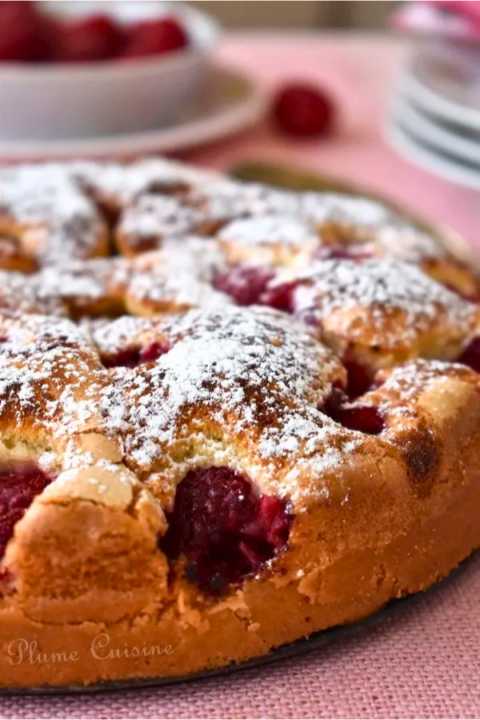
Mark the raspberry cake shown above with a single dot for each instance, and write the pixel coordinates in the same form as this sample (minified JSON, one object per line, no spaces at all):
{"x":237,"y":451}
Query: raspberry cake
{"x":230,"y":416}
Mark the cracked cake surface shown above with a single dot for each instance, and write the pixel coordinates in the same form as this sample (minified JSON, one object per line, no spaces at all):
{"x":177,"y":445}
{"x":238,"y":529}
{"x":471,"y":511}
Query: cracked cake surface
{"x":230,"y":416}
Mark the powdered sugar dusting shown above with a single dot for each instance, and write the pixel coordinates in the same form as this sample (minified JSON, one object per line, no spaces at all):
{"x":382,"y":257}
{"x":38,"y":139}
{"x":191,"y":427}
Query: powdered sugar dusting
{"x":121,"y":183}
{"x":383,"y":288}
{"x":234,"y":386}
{"x":348,"y":284}
{"x":344,"y":209}
{"x":270,"y":230}
{"x":241,"y":381}
{"x":155,"y":217}
{"x":169,"y":279}
{"x":269,"y":239}
{"x":237,"y":374}
{"x":177,"y":277}
{"x":49,"y":374}
{"x":44,"y":199}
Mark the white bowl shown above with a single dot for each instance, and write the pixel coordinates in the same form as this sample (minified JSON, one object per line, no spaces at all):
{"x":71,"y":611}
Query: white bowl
{"x":45,"y":101}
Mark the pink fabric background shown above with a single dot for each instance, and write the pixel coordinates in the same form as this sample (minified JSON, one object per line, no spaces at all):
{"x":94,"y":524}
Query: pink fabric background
{"x":426,"y":662}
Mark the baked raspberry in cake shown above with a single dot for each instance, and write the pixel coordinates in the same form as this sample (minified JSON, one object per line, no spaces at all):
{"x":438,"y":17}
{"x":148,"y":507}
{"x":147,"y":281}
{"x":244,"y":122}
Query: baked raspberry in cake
{"x":230,"y":416}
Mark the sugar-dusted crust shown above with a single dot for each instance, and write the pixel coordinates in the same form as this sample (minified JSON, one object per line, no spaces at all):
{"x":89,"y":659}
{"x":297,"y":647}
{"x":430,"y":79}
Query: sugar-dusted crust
{"x":380,"y":312}
{"x":122,"y":377}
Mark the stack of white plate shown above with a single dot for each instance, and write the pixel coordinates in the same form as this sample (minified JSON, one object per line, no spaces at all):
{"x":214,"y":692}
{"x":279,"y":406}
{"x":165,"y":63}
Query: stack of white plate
{"x":435,"y":115}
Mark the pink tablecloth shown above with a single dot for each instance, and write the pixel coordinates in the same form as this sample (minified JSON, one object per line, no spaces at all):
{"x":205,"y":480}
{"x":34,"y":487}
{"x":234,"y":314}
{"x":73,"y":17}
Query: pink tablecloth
{"x":426,"y":662}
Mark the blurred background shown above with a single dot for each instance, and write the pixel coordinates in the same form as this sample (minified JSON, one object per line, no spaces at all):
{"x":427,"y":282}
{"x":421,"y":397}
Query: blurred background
{"x":384,"y":95}
{"x":236,"y":14}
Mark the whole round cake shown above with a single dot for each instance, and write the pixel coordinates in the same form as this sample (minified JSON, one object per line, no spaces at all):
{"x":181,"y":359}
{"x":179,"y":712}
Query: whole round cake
{"x":230,"y":416}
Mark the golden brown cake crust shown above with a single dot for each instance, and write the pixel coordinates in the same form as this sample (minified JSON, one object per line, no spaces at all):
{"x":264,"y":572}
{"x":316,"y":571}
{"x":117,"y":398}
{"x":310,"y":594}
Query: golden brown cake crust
{"x":124,"y":379}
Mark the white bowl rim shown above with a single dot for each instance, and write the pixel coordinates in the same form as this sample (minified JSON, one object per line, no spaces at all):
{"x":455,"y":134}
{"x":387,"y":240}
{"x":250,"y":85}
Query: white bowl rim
{"x":106,"y":69}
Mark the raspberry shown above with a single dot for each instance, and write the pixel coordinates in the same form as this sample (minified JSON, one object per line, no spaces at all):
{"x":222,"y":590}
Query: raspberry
{"x":91,"y":39}
{"x":359,"y":381}
{"x":19,"y":484}
{"x":224,"y":530}
{"x":471,"y":355}
{"x":243,"y":283}
{"x":155,"y":37}
{"x":364,"y":418}
{"x":301,"y":110}
{"x":152,"y":352}
{"x":134,"y":356}
{"x":22,"y":32}
{"x":128,"y":357}
{"x":280,"y":296}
